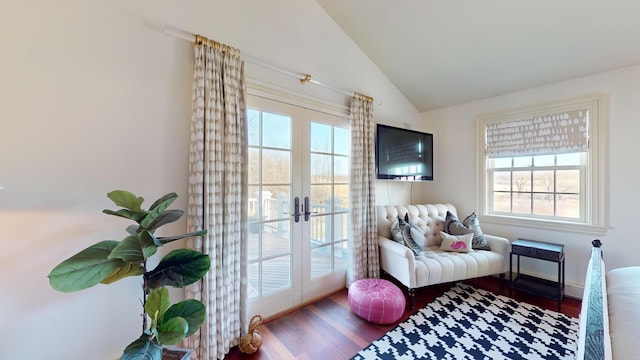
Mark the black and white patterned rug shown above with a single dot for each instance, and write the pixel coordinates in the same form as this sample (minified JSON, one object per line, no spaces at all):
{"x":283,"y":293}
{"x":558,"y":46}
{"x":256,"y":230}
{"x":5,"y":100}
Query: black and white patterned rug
{"x":470,"y":323}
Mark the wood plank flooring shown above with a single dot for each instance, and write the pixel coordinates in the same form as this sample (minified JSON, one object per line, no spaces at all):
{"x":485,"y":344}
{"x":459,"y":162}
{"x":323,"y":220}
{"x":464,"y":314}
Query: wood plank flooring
{"x":328,"y":330}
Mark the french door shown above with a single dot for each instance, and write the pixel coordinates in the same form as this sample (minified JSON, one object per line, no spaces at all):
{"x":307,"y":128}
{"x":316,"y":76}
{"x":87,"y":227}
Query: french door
{"x":298,"y":204}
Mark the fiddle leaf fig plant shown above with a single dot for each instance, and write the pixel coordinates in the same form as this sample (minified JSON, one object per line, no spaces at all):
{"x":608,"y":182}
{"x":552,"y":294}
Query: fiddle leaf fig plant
{"x":109,"y":261}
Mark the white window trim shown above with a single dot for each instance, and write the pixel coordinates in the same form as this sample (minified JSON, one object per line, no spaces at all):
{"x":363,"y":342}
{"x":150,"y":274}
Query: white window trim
{"x":596,"y":207}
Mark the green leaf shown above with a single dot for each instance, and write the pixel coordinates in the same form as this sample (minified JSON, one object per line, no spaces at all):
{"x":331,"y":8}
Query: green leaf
{"x":168,"y":239}
{"x":136,"y":216}
{"x":126,"y":199}
{"x":130,"y":269}
{"x":164,"y":218}
{"x":132,"y":229}
{"x":135,"y":248}
{"x":172,"y":331}
{"x":157,"y":303}
{"x":163,"y":203}
{"x":86,"y":268}
{"x":145,"y":348}
{"x":156,"y":241}
{"x":178,"y":268}
{"x":158,"y":207}
{"x":193,"y":311}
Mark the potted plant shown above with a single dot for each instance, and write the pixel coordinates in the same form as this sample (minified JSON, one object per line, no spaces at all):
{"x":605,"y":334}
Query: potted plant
{"x":110,"y":260}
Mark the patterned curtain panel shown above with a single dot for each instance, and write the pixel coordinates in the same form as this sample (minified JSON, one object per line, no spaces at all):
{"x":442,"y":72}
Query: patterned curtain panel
{"x":554,"y":133}
{"x":218,"y":196}
{"x":364,"y":237}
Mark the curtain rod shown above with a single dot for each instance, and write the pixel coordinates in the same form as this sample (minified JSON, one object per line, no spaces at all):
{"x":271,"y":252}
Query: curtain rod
{"x":303,"y":78}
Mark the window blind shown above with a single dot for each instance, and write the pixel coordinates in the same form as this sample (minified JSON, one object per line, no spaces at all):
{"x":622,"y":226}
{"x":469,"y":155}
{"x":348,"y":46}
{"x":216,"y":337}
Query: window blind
{"x":554,"y":133}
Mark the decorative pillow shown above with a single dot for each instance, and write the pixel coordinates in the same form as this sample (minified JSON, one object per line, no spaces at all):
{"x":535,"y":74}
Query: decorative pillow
{"x":473,"y":223}
{"x":418,"y":237}
{"x":395,"y":231}
{"x":419,"y":223}
{"x":454,"y":226}
{"x":408,"y":235}
{"x":457,"y":243}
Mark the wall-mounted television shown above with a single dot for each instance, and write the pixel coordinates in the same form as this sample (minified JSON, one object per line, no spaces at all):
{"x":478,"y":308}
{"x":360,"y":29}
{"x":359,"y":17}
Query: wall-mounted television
{"x":403,"y":154}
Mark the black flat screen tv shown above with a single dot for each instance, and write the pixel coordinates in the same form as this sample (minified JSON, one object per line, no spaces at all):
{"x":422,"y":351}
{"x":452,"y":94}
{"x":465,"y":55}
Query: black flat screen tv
{"x":403,"y":154}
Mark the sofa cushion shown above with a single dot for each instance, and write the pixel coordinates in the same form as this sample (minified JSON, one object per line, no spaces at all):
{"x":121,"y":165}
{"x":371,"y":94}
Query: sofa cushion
{"x":473,"y":223}
{"x":410,"y":236}
{"x":435,"y":266}
{"x":396,"y":233}
{"x":457,"y":243}
{"x":454,"y":226}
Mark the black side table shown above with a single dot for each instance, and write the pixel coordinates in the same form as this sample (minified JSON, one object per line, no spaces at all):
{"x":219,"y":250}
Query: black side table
{"x":534,"y":285}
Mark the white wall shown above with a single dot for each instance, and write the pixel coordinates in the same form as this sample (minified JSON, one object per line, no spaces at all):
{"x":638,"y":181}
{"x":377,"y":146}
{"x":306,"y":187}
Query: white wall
{"x":455,"y":167}
{"x":95,"y":97}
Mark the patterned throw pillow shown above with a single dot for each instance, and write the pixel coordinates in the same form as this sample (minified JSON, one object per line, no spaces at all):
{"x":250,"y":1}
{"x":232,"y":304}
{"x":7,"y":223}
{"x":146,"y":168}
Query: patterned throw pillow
{"x":418,"y":238}
{"x":454,"y":226}
{"x":419,"y":223}
{"x":457,"y":243}
{"x":479,"y":242}
{"x":407,"y":235}
{"x":396,"y":233}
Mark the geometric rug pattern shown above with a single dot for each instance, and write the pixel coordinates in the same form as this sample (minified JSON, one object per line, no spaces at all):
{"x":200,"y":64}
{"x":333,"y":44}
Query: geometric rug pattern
{"x":470,"y":323}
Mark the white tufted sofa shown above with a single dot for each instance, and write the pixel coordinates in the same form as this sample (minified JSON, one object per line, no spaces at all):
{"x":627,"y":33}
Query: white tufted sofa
{"x":434,"y":266}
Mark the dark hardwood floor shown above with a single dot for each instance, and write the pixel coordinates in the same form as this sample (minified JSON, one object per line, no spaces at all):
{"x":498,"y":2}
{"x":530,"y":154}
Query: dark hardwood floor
{"x":328,"y":330}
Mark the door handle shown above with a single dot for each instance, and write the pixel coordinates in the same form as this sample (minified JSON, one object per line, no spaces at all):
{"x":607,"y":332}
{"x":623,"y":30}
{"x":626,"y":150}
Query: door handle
{"x":296,"y":208}
{"x":307,"y":213}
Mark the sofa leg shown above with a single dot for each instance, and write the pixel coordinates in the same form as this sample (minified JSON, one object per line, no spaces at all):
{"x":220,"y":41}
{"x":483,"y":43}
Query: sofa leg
{"x":412,"y":298}
{"x":502,"y":280}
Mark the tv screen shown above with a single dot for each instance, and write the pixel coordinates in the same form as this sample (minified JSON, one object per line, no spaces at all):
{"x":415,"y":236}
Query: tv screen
{"x":403,"y":154}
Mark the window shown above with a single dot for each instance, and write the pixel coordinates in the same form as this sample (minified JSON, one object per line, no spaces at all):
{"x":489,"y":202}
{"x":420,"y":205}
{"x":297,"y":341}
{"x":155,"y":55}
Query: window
{"x":545,"y":186}
{"x":542,"y":166}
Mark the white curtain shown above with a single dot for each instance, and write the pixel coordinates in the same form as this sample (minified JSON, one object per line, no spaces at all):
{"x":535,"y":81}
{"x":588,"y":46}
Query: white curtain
{"x":364,"y":239}
{"x":218,"y":196}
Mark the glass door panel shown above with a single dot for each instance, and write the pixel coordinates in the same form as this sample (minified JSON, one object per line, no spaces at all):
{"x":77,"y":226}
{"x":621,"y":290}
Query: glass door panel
{"x":328,"y":148}
{"x":296,"y":156}
{"x":271,"y":254}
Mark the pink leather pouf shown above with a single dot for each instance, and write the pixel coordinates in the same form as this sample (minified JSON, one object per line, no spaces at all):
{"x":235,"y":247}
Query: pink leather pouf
{"x":376,"y":300}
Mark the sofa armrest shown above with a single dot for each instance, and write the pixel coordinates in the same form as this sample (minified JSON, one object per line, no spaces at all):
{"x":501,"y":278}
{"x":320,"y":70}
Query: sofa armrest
{"x":395,"y":247}
{"x":398,"y":261}
{"x":500,"y":245}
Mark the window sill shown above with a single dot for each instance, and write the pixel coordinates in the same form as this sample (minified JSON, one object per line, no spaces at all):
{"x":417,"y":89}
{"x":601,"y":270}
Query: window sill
{"x":545,"y":224}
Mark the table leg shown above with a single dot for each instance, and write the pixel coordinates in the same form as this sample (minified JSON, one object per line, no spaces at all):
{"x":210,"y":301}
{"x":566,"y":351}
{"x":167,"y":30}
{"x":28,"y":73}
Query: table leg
{"x":560,"y":282}
{"x":510,"y":274}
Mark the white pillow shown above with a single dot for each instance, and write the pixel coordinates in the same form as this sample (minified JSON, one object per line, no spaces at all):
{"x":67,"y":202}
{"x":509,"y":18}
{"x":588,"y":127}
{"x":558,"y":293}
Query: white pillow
{"x":457,"y":243}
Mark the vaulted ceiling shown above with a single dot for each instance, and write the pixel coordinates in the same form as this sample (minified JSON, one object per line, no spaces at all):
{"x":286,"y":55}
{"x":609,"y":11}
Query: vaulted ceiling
{"x":441,"y":53}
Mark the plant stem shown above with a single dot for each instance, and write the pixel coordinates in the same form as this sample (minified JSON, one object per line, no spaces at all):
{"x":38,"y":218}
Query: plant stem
{"x":144,"y":297}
